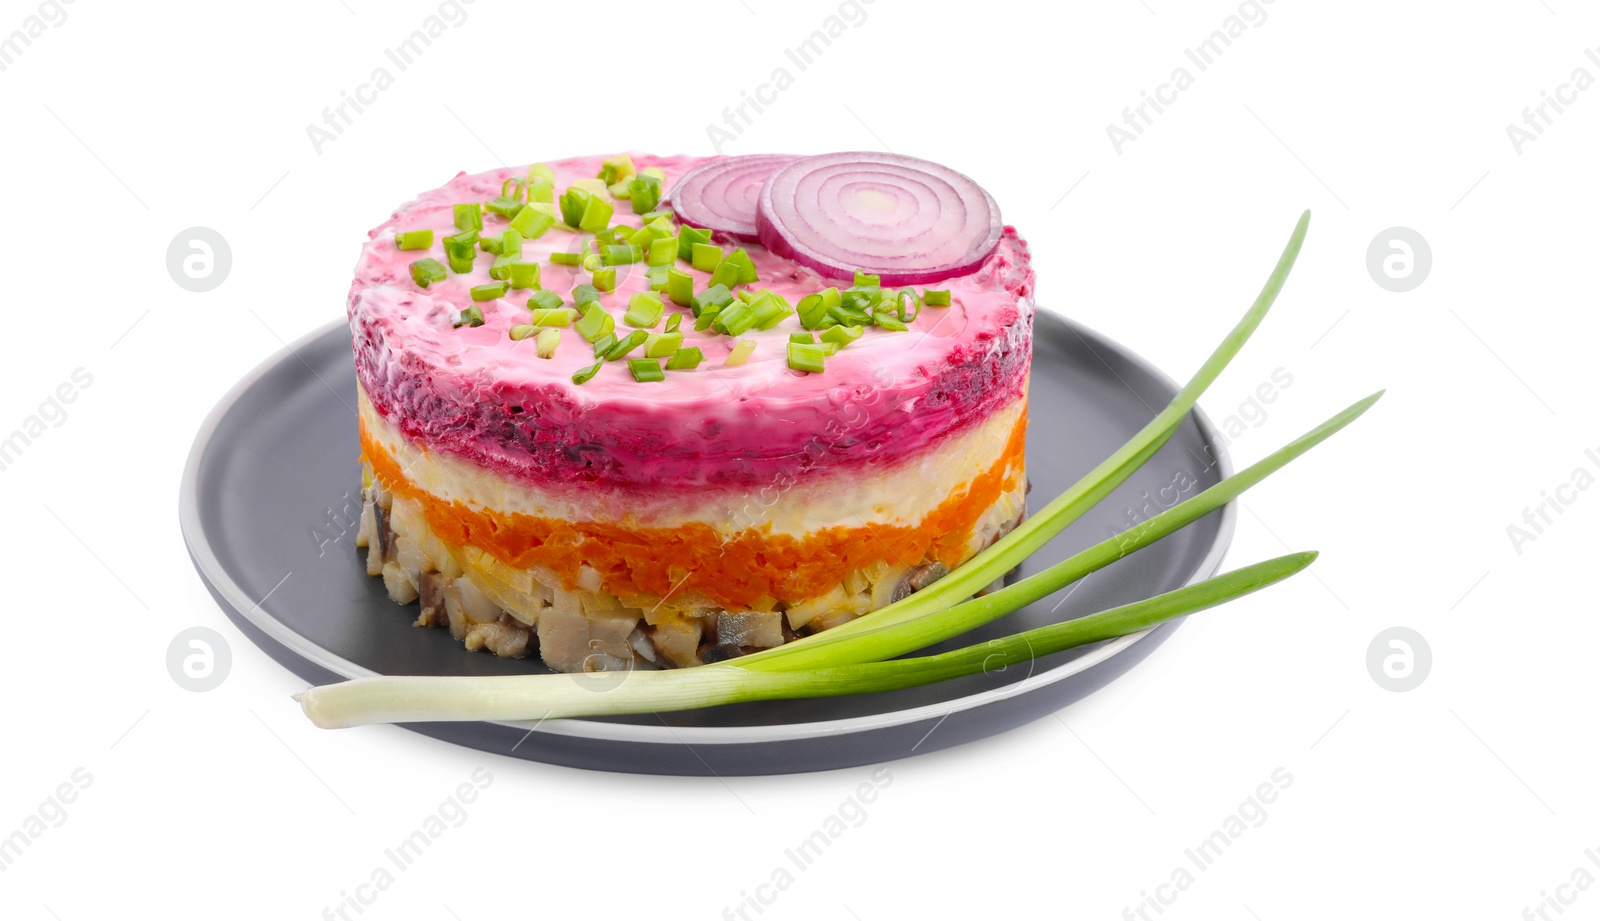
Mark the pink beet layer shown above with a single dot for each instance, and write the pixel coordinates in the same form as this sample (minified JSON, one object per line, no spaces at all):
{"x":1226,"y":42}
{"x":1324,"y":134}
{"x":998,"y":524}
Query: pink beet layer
{"x":477,"y":395}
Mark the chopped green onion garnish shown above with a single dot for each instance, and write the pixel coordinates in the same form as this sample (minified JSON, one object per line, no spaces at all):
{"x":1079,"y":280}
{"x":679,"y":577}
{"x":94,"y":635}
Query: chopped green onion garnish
{"x":802,"y":337}
{"x":706,"y":319}
{"x":621,"y":254}
{"x":741,"y":353}
{"x":554,"y":316}
{"x":626,"y":344}
{"x":645,"y":192}
{"x":646,"y":370}
{"x":490,"y":292}
{"x":936,"y":298}
{"x":414,"y":239}
{"x":680,"y":288}
{"x":685,"y":359}
{"x":594,"y":323}
{"x":566,"y":258}
{"x":500,"y":269}
{"x":592,"y":262}
{"x":812,"y":310}
{"x":472,"y":316}
{"x":469,"y":216}
{"x":746,"y":266}
{"x":523,"y":275}
{"x":848,"y":316}
{"x":644,"y":311}
{"x":604,"y":344}
{"x":544,"y":300}
{"x":831,"y":297}
{"x":547,"y":342}
{"x":859,"y":298}
{"x":615,"y":169}
{"x":427,"y":271}
{"x":804,"y":357}
{"x":863,"y":280}
{"x":582,"y":377}
{"x":895,"y":301}
{"x":658,"y":278}
{"x":769,"y":310}
{"x":584,"y":295}
{"x":649,"y":216}
{"x":726,"y":273}
{"x":507,"y":243}
{"x":585,"y":210}
{"x":531,"y":222}
{"x":715,"y":296}
{"x":461,"y":249}
{"x":662,"y":251}
{"x":673,"y":321}
{"x":505,"y":205}
{"x":736,"y":319}
{"x":705,"y":256}
{"x":524,"y":331}
{"x":843,"y":335}
{"x":572,"y":202}
{"x":688,"y":237}
{"x":606,"y":279}
{"x":662,"y":345}
{"x":543,"y":171}
{"x":596,"y":214}
{"x":889,"y":321}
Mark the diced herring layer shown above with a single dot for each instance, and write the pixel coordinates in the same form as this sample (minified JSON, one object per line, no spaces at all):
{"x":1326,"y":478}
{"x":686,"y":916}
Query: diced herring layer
{"x":512,"y":612}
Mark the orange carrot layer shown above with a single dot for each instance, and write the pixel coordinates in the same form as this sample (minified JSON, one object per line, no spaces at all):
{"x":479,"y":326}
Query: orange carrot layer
{"x":752,"y":569}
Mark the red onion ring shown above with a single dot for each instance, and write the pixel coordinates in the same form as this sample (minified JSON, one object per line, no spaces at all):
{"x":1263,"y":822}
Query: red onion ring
{"x":905,"y":220}
{"x":721,"y":195}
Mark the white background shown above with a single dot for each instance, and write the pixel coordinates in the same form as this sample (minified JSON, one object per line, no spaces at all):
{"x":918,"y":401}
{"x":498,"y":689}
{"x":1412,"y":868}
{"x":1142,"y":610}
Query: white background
{"x":1467,"y":797}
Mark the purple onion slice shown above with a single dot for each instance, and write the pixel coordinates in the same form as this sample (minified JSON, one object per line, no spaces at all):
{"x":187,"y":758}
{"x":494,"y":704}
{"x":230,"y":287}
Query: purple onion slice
{"x":721,"y":195}
{"x":905,"y":220}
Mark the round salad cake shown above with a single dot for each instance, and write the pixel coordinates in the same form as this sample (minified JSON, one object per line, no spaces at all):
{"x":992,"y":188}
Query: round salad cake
{"x":639,"y":412}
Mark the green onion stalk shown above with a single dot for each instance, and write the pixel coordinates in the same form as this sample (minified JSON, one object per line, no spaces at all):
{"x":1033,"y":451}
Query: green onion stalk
{"x":436,"y":698}
{"x":1038,"y":529}
{"x":860,"y":656}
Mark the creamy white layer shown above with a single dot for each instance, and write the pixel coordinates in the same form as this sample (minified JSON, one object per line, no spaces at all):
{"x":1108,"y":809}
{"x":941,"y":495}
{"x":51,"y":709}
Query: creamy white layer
{"x":901,"y":495}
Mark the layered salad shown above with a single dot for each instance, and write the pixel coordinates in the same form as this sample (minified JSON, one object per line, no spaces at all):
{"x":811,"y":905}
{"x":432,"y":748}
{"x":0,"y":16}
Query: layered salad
{"x":651,"y":412}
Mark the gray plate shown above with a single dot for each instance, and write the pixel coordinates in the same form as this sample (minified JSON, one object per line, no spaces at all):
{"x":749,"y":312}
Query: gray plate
{"x":271,"y":492}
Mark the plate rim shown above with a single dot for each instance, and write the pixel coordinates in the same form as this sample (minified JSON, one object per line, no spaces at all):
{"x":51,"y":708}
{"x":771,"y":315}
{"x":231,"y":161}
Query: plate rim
{"x":212,"y":571}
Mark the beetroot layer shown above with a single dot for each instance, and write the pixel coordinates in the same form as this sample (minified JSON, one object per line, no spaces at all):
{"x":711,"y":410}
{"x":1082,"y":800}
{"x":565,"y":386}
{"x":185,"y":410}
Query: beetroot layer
{"x":541,"y":436}
{"x":548,"y":432}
